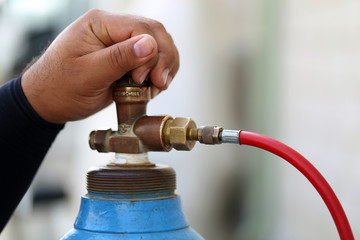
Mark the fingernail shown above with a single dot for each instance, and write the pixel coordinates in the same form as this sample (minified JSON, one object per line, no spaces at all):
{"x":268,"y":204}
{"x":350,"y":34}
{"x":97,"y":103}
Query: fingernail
{"x":144,"y":47}
{"x":169,"y":80}
{"x":164,"y":76}
{"x":144,"y":75}
{"x":154,"y":92}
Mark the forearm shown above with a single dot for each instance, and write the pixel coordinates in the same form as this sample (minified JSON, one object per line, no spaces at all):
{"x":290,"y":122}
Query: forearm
{"x":24,"y":141}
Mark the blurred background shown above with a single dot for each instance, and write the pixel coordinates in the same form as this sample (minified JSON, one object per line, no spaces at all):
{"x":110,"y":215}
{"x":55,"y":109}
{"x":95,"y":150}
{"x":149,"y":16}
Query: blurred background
{"x":287,"y":69}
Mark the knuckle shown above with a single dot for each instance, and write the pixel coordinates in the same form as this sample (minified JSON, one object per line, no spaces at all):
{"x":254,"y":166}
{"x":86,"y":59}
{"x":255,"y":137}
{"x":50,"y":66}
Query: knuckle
{"x":168,"y":59}
{"x":94,"y":12}
{"x":144,"y":27}
{"x":157,"y":26}
{"x":171,"y":41}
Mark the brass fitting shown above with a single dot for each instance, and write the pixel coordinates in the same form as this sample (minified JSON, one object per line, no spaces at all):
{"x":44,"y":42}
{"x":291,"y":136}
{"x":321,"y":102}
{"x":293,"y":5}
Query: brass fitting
{"x":180,"y":133}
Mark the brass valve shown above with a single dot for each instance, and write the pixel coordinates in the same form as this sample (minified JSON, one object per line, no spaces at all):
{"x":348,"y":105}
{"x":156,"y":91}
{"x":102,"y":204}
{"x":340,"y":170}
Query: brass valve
{"x":139,"y":133}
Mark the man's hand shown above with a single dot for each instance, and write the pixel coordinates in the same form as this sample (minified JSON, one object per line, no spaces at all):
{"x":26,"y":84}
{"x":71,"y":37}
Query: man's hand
{"x":72,"y":79}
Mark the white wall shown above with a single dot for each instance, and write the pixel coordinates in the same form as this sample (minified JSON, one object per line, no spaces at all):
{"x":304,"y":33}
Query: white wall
{"x":320,"y":112}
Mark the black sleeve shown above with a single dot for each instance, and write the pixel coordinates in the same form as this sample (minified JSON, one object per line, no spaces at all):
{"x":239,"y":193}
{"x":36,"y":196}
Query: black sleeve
{"x":24,"y":141}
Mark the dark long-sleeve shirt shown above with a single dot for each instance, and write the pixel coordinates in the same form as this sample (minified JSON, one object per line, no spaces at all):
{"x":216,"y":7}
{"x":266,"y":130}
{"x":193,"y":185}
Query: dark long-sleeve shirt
{"x":24,"y":141}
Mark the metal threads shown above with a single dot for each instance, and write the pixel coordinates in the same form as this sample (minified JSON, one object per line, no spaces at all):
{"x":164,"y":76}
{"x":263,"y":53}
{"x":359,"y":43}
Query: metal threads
{"x":230,"y":136}
{"x":134,"y":181}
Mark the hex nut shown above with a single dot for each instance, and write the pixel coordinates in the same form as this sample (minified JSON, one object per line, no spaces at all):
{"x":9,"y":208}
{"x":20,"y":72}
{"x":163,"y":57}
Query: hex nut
{"x":98,"y":140}
{"x":209,"y":134}
{"x":179,"y":129}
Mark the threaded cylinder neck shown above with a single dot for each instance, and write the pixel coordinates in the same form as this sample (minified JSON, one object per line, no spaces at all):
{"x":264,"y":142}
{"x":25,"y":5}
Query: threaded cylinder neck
{"x":132,"y":181}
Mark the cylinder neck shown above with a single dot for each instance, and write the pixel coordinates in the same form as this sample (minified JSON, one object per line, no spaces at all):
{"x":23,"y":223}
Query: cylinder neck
{"x":129,"y":181}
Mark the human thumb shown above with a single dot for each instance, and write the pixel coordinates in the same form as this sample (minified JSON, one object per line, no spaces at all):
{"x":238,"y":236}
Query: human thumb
{"x":114,"y":61}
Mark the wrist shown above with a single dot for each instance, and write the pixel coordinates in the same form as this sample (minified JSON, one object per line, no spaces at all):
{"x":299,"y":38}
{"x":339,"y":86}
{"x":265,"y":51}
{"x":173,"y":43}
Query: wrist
{"x":39,"y":97}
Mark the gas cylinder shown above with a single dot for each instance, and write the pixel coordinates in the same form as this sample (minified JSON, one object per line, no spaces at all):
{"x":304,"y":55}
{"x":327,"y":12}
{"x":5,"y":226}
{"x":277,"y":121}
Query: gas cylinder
{"x":131,"y":201}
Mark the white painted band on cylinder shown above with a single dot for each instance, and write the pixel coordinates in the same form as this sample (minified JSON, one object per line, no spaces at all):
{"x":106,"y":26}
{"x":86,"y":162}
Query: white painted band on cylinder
{"x":121,"y":158}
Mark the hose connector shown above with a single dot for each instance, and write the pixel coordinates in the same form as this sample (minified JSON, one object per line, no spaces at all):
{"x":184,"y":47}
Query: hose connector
{"x":209,"y":135}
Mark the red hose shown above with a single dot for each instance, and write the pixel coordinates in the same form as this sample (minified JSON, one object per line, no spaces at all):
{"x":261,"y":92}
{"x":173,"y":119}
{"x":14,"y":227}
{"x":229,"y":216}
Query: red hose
{"x":309,"y":171}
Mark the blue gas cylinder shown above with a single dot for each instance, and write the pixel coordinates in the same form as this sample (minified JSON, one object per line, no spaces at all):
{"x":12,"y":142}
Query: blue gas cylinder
{"x":131,"y":203}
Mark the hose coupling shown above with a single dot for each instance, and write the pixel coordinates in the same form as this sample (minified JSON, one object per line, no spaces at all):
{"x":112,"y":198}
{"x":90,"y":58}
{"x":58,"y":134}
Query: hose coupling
{"x":209,"y":135}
